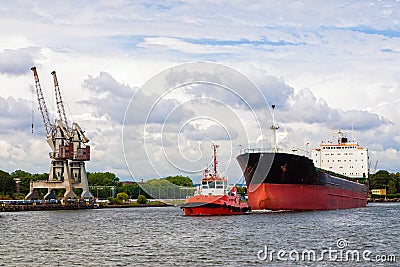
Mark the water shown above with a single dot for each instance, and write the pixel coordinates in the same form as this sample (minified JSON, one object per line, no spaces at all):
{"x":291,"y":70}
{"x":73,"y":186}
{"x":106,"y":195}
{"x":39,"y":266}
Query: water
{"x":164,"y":237}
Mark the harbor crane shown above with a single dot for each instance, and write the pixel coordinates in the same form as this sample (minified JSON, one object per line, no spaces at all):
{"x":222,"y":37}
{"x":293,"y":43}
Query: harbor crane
{"x":69,"y":150}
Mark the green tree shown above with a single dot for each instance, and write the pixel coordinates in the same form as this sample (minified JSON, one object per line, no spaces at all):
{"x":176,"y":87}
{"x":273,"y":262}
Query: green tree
{"x":180,"y":180}
{"x":20,"y":174}
{"x":393,"y":186}
{"x":7,"y":184}
{"x":141,"y":199}
{"x":379,"y":180}
{"x":102,"y":178}
{"x":122,"y":196}
{"x":133,"y":190}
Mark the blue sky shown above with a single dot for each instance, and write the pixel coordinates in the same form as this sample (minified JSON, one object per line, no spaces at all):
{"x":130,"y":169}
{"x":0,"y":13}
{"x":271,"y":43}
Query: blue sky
{"x":326,"y":65}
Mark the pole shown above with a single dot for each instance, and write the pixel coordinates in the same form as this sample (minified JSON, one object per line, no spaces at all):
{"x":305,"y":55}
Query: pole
{"x":215,"y":158}
{"x":274,"y":127}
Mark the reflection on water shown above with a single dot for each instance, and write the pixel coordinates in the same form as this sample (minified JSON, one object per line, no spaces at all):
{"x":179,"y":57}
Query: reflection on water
{"x":164,"y":237}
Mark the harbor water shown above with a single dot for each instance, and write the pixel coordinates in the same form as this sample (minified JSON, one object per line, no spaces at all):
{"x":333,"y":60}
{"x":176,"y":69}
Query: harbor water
{"x":165,"y":237}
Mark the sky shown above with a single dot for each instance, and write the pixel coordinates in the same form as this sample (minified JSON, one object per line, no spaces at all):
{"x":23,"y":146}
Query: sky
{"x":155,"y":83}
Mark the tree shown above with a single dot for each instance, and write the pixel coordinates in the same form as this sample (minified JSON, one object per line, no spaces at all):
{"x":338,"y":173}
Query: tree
{"x":7,"y":184}
{"x":122,"y":196}
{"x":26,"y":180}
{"x":141,"y":199}
{"x":391,"y":187}
{"x":102,"y":178}
{"x":20,"y":174}
{"x":379,"y":180}
{"x":133,"y":190}
{"x":180,"y":180}
{"x":394,"y":183}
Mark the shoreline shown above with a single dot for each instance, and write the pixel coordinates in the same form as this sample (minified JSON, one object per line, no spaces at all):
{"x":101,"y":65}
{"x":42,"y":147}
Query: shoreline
{"x":383,"y":200}
{"x":77,"y":206}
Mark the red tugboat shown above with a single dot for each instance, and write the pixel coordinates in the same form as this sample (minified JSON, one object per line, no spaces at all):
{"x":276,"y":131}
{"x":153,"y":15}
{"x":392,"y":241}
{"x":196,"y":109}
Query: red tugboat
{"x":214,"y":196}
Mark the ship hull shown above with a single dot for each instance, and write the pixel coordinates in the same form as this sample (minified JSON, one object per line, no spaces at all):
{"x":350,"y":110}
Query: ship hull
{"x":213,"y":206}
{"x":303,"y":197}
{"x":280,"y":181}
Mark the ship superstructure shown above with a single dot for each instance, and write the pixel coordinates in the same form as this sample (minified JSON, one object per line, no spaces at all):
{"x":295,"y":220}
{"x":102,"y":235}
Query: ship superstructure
{"x":345,"y":157}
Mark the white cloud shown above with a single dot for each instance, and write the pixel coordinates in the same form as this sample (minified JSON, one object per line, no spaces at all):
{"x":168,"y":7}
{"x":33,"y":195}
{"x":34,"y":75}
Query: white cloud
{"x":15,"y":62}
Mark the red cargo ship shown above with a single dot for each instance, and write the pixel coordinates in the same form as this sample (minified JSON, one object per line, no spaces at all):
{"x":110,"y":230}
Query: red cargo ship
{"x":335,"y":178}
{"x":214,"y":196}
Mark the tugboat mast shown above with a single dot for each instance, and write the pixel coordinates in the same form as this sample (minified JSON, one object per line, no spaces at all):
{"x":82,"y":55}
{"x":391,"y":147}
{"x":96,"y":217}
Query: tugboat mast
{"x":215,"y":158}
{"x":274,"y":127}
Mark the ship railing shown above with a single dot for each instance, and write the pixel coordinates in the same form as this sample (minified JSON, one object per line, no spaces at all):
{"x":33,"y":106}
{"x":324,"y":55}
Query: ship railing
{"x":361,"y":180}
{"x":261,"y":150}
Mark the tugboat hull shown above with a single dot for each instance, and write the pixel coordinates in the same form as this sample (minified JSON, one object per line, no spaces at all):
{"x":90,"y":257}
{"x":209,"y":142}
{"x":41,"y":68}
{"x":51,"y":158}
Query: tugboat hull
{"x":214,"y":205}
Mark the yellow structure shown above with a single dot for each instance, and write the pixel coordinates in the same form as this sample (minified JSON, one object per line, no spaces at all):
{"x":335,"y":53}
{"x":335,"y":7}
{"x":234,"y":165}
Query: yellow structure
{"x":381,"y":192}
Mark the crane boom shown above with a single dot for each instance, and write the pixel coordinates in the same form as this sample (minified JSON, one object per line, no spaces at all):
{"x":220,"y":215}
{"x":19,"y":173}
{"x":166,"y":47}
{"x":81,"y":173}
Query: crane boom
{"x":60,"y":104}
{"x":42,"y":103}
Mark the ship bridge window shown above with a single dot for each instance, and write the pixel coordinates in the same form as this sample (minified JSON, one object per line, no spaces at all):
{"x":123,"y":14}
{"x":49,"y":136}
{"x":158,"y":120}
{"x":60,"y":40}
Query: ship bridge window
{"x":212,"y":185}
{"x":220,"y":184}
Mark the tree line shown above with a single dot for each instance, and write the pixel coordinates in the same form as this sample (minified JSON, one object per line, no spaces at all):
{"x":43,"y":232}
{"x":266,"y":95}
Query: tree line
{"x":384,"y":180}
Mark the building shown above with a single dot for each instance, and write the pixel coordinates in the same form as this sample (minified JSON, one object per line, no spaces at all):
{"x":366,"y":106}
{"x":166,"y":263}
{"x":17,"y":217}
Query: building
{"x":381,"y":192}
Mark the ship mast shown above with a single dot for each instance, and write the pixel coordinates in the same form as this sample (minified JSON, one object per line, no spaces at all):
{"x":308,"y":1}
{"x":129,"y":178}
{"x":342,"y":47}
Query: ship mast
{"x":215,"y":158}
{"x":274,"y":127}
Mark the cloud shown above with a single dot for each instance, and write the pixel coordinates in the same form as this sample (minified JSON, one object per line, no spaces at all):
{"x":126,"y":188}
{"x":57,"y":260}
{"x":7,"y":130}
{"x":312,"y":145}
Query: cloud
{"x":15,"y":62}
{"x":109,"y":98}
{"x":15,"y":115}
{"x":113,"y":99}
{"x":211,"y":132}
{"x":305,"y":107}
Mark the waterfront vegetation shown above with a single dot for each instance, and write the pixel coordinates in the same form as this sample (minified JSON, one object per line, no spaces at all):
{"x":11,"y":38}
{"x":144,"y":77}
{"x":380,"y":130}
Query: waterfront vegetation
{"x":384,"y":180}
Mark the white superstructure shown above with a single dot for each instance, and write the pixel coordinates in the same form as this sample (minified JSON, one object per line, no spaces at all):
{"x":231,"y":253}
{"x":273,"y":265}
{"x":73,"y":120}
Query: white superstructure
{"x":346,"y":158}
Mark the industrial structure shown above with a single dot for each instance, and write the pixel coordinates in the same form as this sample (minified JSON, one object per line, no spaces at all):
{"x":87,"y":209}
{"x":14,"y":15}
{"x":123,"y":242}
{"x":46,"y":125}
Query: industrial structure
{"x":69,"y":150}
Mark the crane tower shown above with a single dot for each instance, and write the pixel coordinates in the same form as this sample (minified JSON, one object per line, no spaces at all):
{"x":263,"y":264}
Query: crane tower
{"x":69,"y":150}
